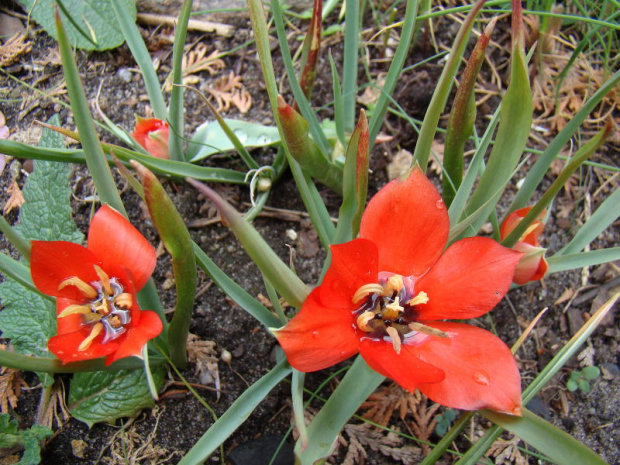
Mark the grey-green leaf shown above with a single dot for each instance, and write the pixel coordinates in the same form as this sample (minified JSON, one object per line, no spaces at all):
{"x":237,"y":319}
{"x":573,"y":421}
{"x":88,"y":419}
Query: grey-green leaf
{"x":92,"y":24}
{"x":105,"y":396}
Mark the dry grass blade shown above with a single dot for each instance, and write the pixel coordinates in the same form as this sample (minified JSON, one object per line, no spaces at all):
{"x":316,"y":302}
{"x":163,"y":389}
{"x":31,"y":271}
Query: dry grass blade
{"x":13,"y":48}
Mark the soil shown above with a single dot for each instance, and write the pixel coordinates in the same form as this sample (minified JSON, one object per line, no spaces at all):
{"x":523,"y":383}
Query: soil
{"x":179,"y":420}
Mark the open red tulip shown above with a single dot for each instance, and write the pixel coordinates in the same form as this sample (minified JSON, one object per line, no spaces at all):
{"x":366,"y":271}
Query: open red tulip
{"x":532,"y":266}
{"x":385,"y":296}
{"x":95,"y":289}
{"x":152,"y":134}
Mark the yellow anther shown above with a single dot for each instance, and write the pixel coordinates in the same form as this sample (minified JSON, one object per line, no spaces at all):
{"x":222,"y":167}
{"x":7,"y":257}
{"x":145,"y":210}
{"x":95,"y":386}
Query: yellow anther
{"x":115,"y":321}
{"x":393,"y":284}
{"x":367,"y":289}
{"x":420,"y":328}
{"x":421,"y":298}
{"x":392,"y":310}
{"x":363,"y":320}
{"x":96,"y":331}
{"x":75,"y":309}
{"x":124,"y":300}
{"x":85,"y":288}
{"x":393,"y":333}
{"x":105,"y":280}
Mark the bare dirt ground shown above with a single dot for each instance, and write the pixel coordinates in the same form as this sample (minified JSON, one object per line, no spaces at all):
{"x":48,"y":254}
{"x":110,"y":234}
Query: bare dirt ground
{"x":163,"y":434}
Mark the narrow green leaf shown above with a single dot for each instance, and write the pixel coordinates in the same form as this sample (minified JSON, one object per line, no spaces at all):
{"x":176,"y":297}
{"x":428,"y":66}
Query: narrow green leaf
{"x":127,"y":24}
{"x":310,"y":50}
{"x":395,"y":70}
{"x":559,"y":263}
{"x":442,"y":91}
{"x":178,"y":242}
{"x":359,"y":382}
{"x":286,"y":282}
{"x":95,"y":159}
{"x":581,"y":156}
{"x":537,"y":171}
{"x":338,"y":106}
{"x":603,"y":217}
{"x":235,"y":415}
{"x":105,"y":396}
{"x":350,"y":61}
{"x":176,"y":111}
{"x":239,"y":295}
{"x":545,"y":437}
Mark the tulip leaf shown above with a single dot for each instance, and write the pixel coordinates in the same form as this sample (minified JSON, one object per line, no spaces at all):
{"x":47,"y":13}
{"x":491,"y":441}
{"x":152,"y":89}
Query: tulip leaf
{"x":91,"y":24}
{"x":105,"y":396}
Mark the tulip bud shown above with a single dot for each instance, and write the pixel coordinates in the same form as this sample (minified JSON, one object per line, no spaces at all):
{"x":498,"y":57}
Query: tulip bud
{"x":152,"y":134}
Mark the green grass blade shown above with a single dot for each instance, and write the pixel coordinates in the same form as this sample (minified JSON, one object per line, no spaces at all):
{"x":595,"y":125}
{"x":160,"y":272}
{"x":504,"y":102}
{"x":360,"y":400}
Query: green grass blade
{"x":17,"y":240}
{"x":20,"y":273}
{"x":234,"y":291}
{"x":143,"y":58}
{"x":359,"y":382}
{"x":338,"y":106}
{"x":603,"y":217}
{"x":538,"y":170}
{"x":236,"y":414}
{"x":175,"y":112}
{"x":95,"y":159}
{"x":545,"y":437}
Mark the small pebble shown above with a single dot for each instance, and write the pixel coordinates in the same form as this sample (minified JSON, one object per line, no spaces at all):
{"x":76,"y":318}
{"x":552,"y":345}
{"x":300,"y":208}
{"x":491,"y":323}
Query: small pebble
{"x":124,"y":74}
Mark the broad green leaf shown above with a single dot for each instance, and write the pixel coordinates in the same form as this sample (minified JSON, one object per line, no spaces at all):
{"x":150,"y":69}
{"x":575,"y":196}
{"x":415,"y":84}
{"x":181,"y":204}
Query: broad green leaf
{"x":90,"y":24}
{"x":11,"y":436}
{"x":28,"y":318}
{"x":211,"y":138}
{"x":105,"y":396}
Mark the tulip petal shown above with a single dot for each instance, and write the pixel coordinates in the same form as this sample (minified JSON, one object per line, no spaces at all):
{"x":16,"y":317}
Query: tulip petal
{"x":318,"y":337}
{"x":469,"y":279}
{"x":118,"y":244}
{"x":137,"y":336}
{"x":532,"y":265}
{"x":65,"y":346}
{"x":408,"y":221}
{"x":353,"y":264}
{"x":52,"y":262}
{"x":406,"y":368}
{"x":481,"y":372}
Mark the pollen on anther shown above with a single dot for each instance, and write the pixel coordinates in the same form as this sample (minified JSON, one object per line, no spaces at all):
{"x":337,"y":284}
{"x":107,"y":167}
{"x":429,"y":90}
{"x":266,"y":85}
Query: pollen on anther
{"x":363,"y":320}
{"x":393,"y":333}
{"x":367,"y":289}
{"x":124,"y":301}
{"x":85,"y":344}
{"x":74,"y":309}
{"x":105,"y":280}
{"x":419,"y":299}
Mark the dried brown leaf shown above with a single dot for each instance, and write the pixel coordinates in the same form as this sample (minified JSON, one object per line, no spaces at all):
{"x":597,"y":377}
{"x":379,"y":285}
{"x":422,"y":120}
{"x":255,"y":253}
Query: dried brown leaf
{"x":242,"y":100}
{"x":195,"y":61}
{"x":11,"y":384}
{"x":390,"y":444}
{"x":13,"y":48}
{"x":507,"y":452}
{"x":16,"y":198}
{"x":203,"y":355}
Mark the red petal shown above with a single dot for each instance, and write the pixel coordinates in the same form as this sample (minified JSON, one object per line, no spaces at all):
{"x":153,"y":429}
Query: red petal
{"x":65,"y":346}
{"x":481,"y":372}
{"x":119,"y":245}
{"x":409,"y":223}
{"x":512,"y":220}
{"x":137,"y":336}
{"x":353,"y":264}
{"x":52,"y":262}
{"x":532,"y":265}
{"x":318,"y":337}
{"x":70,"y":323}
{"x":469,"y":279}
{"x":406,"y":368}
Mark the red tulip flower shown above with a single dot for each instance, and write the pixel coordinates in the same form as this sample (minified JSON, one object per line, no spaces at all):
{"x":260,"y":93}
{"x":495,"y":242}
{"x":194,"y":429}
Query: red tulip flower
{"x":387,"y":293}
{"x":532,"y":266}
{"x":95,"y":289}
{"x":152,"y":134}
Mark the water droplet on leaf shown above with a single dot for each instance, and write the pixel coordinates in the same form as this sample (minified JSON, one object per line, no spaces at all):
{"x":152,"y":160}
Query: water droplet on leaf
{"x":440,"y":205}
{"x":263,"y":139}
{"x":241,"y":135}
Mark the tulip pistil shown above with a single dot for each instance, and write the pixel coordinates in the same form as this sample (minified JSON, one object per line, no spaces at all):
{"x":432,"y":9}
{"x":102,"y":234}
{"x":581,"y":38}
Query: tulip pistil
{"x":387,"y":311}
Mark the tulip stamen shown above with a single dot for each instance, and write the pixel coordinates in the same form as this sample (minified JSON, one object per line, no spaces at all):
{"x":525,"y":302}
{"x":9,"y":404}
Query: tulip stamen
{"x":85,"y":288}
{"x":420,"y":328}
{"x":85,"y":344}
{"x":395,"y":336}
